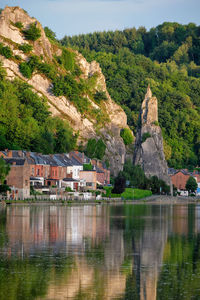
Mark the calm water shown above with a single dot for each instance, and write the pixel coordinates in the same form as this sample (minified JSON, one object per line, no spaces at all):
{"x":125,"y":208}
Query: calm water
{"x":100,"y":252}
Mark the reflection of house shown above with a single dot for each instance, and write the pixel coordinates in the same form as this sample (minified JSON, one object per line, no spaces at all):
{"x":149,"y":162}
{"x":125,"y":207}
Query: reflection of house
{"x":18,"y":177}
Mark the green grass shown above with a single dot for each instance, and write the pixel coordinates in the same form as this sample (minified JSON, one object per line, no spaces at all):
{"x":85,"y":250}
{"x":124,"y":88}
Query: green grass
{"x":132,"y":194}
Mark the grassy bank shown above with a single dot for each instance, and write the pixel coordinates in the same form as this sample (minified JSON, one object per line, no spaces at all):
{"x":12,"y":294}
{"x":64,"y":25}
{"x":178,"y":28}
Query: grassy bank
{"x":128,"y":194}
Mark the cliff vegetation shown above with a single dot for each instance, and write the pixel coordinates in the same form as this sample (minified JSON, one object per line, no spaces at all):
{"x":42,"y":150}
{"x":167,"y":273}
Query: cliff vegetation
{"x":167,"y":57}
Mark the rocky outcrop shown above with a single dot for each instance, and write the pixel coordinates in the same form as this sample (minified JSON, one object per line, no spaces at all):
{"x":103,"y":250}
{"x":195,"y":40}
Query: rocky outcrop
{"x":149,"y":142}
{"x":86,"y":127}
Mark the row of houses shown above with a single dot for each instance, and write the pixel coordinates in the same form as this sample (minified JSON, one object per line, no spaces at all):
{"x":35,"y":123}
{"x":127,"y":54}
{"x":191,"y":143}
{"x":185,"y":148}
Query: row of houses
{"x":179,"y":179}
{"x":55,"y":170}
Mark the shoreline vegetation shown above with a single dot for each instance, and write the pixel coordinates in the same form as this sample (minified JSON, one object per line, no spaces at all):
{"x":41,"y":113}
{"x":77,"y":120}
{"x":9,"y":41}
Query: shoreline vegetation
{"x":153,"y":199}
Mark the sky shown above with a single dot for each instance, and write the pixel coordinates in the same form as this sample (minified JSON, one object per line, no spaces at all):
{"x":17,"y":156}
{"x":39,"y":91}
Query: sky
{"x":71,"y":17}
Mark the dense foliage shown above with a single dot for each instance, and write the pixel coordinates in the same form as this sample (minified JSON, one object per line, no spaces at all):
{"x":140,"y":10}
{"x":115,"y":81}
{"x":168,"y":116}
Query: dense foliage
{"x":32,"y":33}
{"x":25,"y":122}
{"x":167,"y":57}
{"x":191,"y":184}
{"x":135,"y":177}
{"x":127,"y":136}
{"x":4,"y":170}
{"x":95,"y":149}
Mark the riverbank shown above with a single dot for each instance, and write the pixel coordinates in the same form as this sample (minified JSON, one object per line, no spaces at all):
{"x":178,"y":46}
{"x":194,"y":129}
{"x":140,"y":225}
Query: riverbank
{"x":154,"y":199}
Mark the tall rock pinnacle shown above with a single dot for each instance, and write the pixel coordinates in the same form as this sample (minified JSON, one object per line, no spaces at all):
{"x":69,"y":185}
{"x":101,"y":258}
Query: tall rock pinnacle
{"x":149,"y":142}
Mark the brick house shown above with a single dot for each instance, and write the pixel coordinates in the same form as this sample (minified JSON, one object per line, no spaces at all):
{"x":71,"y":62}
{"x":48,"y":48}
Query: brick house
{"x":18,"y":177}
{"x":180,"y":178}
{"x":101,"y":167}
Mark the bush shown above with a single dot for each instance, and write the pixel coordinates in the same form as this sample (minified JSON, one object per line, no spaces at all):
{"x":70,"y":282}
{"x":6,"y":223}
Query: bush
{"x":67,"y":59}
{"x":91,"y":146}
{"x":100,"y":149}
{"x":156,"y":123}
{"x":99,"y":96}
{"x":5,"y":51}
{"x":25,"y":69}
{"x":19,"y":25}
{"x":87,"y":167}
{"x":145,"y":136}
{"x":127,"y":136}
{"x":26,"y":48}
{"x":32,"y":33}
{"x":120,"y":184}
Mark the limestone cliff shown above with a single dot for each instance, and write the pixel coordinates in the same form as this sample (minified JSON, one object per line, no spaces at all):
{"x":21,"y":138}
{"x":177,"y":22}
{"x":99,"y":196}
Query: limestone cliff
{"x":85,"y":124}
{"x":149,"y":142}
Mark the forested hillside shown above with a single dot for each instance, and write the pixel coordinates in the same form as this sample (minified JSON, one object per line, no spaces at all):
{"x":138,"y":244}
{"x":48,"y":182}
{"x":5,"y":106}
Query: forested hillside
{"x":167,"y":57}
{"x":26,"y":123}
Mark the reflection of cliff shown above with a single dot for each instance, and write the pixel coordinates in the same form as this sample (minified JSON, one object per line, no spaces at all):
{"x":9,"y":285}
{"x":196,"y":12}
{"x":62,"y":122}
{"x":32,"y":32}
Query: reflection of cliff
{"x":148,"y":253}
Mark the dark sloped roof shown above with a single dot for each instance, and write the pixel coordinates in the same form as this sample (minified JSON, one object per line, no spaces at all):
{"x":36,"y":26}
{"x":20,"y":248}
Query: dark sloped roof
{"x":16,"y":160}
{"x":62,"y":160}
{"x":75,"y":162}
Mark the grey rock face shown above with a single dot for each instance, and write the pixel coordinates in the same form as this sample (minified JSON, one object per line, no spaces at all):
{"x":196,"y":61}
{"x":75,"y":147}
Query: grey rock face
{"x":149,"y":142}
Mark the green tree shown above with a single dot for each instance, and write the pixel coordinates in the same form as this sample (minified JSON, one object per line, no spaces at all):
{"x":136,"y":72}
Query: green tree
{"x":127,"y":136}
{"x":120,"y":184}
{"x":4,"y":170}
{"x":191,"y":184}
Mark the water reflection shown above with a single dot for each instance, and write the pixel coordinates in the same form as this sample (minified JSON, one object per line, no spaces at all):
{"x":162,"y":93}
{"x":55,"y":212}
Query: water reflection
{"x":100,"y":252}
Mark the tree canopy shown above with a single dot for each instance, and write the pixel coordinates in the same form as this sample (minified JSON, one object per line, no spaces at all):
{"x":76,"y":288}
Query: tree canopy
{"x":167,"y":57}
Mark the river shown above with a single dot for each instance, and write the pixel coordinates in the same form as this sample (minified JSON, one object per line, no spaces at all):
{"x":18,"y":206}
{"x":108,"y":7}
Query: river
{"x":140,"y":252}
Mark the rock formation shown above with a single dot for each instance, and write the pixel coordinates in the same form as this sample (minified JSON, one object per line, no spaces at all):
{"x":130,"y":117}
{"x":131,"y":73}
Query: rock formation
{"x":84,"y":125}
{"x":149,"y":142}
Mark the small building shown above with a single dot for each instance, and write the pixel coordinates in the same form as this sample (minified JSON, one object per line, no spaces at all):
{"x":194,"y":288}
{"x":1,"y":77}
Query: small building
{"x":180,"y":178}
{"x":90,"y":178}
{"x":18,"y":177}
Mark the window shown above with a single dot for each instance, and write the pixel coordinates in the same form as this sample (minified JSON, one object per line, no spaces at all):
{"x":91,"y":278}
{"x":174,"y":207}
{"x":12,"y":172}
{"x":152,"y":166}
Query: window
{"x":38,"y":171}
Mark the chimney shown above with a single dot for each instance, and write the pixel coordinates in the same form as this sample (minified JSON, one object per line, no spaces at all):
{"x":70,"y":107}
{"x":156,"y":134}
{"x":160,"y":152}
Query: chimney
{"x":9,"y":153}
{"x":20,"y":153}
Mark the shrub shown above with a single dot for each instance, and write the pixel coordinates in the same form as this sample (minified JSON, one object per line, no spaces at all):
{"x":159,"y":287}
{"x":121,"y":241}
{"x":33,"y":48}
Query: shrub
{"x":120,"y":184}
{"x":156,"y":123}
{"x":32,"y":33}
{"x":127,"y":136}
{"x":26,"y":48}
{"x":25,"y":69}
{"x":95,"y":148}
{"x":5,"y":51}
{"x":19,"y":25}
{"x":68,"y":189}
{"x":91,"y":146}
{"x":100,"y":149}
{"x":87,"y":167}
{"x":67,"y":60}
{"x":49,"y":33}
{"x":191,"y":184}
{"x":145,"y":136}
{"x":18,"y":57}
{"x":99,"y":96}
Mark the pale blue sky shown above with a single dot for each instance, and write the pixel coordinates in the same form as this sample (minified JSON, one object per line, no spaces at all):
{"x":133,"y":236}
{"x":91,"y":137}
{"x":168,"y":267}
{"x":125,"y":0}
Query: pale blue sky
{"x":70,"y":17}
